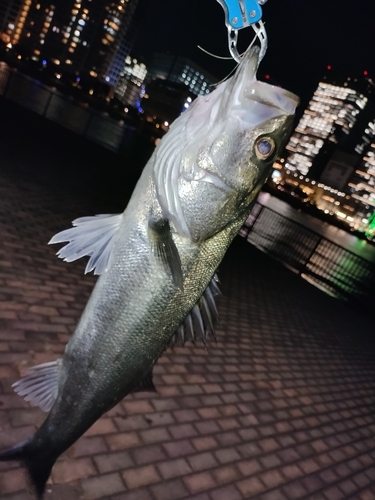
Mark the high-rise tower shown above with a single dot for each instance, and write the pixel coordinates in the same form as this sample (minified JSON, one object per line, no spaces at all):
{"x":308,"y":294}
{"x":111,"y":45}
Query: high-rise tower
{"x":81,"y":36}
{"x":337,"y":118}
{"x":334,"y":142}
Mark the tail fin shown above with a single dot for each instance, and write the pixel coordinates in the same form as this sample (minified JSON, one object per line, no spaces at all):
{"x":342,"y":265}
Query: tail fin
{"x":38,"y":466}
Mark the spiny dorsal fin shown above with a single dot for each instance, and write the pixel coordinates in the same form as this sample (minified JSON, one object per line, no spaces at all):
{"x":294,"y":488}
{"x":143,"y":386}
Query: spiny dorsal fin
{"x":164,"y":248}
{"x":39,"y":385}
{"x":91,"y":236}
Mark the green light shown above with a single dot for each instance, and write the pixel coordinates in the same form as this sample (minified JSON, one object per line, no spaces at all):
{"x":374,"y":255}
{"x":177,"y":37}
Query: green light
{"x":370,"y":232}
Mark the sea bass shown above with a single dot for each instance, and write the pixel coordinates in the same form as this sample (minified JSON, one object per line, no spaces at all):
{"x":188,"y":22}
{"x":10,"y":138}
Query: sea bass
{"x":158,"y":259}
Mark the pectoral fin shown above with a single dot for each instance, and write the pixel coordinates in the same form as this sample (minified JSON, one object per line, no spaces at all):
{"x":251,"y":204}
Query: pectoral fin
{"x":164,"y":248}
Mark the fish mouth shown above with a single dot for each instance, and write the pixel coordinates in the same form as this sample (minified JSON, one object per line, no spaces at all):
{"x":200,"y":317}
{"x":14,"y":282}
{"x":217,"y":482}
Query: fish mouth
{"x":246,"y":89}
{"x":252,"y":101}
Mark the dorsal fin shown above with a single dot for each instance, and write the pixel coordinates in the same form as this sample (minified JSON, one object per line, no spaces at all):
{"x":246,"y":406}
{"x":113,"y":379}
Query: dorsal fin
{"x":90,"y":236}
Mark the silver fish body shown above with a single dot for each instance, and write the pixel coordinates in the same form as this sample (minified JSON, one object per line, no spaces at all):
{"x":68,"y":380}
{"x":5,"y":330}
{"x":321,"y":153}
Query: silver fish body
{"x":190,"y":202}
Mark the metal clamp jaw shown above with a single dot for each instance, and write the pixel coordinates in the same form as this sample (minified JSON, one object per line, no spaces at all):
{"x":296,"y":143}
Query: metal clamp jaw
{"x":241,"y":14}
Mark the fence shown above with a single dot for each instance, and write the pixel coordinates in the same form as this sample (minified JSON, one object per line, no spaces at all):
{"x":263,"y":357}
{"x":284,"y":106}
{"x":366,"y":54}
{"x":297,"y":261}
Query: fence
{"x":324,"y":263}
{"x":55,"y":106}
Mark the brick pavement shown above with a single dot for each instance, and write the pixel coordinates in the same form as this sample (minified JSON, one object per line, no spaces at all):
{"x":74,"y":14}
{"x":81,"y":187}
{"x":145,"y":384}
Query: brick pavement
{"x":282,"y":407}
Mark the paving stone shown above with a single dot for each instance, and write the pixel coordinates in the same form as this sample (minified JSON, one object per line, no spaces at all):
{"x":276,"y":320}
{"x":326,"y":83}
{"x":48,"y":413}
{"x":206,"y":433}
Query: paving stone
{"x":156,"y":435}
{"x":149,"y":454}
{"x":204,"y":443}
{"x":174,"y":468}
{"x":70,"y":470}
{"x":178,"y":448}
{"x":170,"y":489}
{"x":226,"y":474}
{"x":13,"y":480}
{"x":142,"y":476}
{"x":251,"y":487}
{"x":123,"y":441}
{"x":89,"y":446}
{"x":202,"y":461}
{"x":138,"y":494}
{"x":294,"y":490}
{"x":227,"y":455}
{"x":273,"y":495}
{"x":98,"y":487}
{"x":63,"y":491}
{"x":113,"y":461}
{"x":182,"y":431}
{"x":226,"y":493}
{"x":249,"y":467}
{"x":199,"y":482}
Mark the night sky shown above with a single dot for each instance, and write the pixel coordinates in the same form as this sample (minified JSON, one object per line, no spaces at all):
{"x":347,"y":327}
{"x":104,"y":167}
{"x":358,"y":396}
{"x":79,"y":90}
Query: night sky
{"x":304,"y":37}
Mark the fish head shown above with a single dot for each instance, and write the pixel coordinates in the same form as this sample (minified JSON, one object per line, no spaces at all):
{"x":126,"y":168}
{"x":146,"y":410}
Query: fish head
{"x":221,"y":151}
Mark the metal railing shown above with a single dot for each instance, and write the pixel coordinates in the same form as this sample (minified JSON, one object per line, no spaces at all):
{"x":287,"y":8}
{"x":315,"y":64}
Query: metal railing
{"x":325,"y":264}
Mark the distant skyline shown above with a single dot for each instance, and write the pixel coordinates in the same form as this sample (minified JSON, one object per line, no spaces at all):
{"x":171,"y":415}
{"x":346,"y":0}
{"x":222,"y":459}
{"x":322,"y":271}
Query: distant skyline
{"x":304,"y":37}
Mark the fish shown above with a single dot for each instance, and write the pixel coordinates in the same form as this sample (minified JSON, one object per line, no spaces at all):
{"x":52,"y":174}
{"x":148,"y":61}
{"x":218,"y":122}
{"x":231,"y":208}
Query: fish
{"x":157,"y":261}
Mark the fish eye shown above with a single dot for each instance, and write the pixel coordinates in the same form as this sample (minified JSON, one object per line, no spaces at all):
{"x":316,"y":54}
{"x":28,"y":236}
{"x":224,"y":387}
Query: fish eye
{"x":264,"y":148}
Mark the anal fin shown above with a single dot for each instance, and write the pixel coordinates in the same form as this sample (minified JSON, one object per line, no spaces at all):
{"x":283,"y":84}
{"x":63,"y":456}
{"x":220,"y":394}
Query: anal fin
{"x":165,"y":249}
{"x":146,"y":384}
{"x":39,"y":385}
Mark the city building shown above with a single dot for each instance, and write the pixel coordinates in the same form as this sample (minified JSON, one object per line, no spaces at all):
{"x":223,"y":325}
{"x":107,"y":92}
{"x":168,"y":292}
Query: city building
{"x":80,"y":36}
{"x":130,"y":88}
{"x":337,"y":118}
{"x":331,"y":154}
{"x":172,"y":84}
{"x":178,"y":69}
{"x":362,"y":182}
